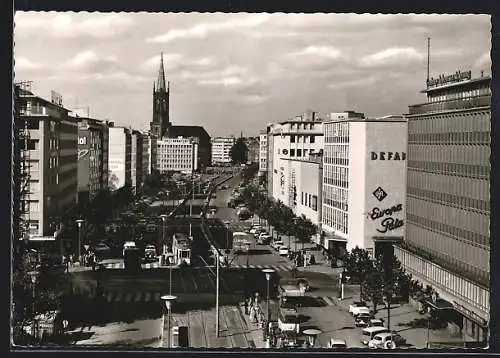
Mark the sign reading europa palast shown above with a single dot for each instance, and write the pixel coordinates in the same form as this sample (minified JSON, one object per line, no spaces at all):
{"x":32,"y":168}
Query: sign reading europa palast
{"x":388,"y":222}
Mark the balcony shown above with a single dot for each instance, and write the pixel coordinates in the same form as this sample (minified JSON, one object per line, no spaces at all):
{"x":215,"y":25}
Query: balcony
{"x":448,"y":105}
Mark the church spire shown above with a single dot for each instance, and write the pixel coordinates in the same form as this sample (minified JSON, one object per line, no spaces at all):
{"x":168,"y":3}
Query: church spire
{"x":160,"y":86}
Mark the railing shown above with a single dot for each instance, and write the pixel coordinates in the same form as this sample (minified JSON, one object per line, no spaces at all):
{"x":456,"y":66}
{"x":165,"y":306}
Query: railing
{"x":466,"y":103}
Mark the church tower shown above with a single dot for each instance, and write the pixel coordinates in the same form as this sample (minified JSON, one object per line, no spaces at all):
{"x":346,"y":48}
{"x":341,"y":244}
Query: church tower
{"x":161,"y":104}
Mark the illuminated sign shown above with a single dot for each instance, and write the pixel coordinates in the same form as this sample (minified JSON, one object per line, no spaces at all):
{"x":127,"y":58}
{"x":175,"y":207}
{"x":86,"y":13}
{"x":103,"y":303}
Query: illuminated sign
{"x":388,"y":155}
{"x":82,"y":153}
{"x":444,"y":79}
{"x":389,"y":223}
{"x":82,"y":140}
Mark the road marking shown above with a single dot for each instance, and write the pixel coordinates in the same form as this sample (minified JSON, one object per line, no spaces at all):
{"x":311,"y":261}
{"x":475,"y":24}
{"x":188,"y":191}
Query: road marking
{"x":157,"y":297}
{"x":137,"y":297}
{"x":147,"y":297}
{"x":128,"y":297}
{"x":119,"y":297}
{"x":259,"y":266}
{"x":328,"y":301}
{"x":251,"y":266}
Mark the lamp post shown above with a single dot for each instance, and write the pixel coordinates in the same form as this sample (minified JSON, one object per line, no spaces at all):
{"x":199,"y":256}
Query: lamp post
{"x":34,"y":277}
{"x":295,"y":219}
{"x":248,"y":251}
{"x":168,"y":299}
{"x":268,"y":273}
{"x":217,"y":295}
{"x":80,"y":222}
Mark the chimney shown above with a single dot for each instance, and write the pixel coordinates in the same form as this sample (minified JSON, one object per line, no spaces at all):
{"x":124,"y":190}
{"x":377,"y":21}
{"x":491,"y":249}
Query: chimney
{"x":482,"y":73}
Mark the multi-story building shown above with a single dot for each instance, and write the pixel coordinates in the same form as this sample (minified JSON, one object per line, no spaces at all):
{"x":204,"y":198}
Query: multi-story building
{"x":364,"y":176}
{"x":296,"y":138}
{"x":253,"y":146}
{"x":270,"y":159}
{"x":50,"y":152}
{"x":92,"y":158}
{"x":120,"y":158}
{"x":136,"y":161}
{"x":177,"y":154}
{"x":221,"y":147}
{"x":146,"y":156}
{"x":263,"y":150}
{"x":447,"y":242}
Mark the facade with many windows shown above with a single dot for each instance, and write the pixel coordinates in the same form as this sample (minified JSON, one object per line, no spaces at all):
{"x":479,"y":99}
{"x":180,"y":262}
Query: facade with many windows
{"x":221,"y":147}
{"x":120,"y":158}
{"x":51,"y":154}
{"x":263,"y":150}
{"x":364,"y":181}
{"x":448,"y":206}
{"x":177,"y":154}
{"x":296,"y":138}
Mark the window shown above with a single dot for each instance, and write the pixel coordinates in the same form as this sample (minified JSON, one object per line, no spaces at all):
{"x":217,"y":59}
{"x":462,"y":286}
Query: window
{"x":299,"y":152}
{"x":312,"y":139}
{"x":309,"y":201}
{"x":301,"y":198}
{"x":292,"y":139}
{"x":314,"y":203}
{"x":292,"y":152}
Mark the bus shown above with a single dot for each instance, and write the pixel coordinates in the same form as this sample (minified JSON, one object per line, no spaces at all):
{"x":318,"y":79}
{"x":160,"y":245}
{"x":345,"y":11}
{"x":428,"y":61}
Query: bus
{"x":241,"y":244}
{"x":181,"y":249}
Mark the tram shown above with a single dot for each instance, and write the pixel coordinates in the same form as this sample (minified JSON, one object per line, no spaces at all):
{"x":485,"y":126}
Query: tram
{"x":181,"y":249}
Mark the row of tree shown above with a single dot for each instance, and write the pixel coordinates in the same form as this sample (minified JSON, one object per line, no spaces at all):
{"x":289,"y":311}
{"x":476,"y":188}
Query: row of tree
{"x":277,"y":214}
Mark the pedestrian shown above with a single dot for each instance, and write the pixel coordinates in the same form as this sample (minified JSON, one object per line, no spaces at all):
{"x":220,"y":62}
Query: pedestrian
{"x":246,"y":306}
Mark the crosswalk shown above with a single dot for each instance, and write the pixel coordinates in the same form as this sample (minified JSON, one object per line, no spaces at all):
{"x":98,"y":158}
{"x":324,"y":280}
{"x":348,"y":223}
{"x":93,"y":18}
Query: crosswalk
{"x":145,"y":297}
{"x":153,"y":265}
{"x":261,"y":267}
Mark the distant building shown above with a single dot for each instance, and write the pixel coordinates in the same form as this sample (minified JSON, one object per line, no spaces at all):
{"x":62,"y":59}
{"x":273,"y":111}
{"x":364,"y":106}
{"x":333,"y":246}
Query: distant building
{"x":263,"y":150}
{"x":204,"y":146}
{"x":364,"y":181}
{"x":221,"y":147}
{"x":120,"y":158}
{"x":49,"y":153}
{"x":92,"y":158}
{"x":177,"y":154}
{"x":146,"y":156}
{"x":448,"y":238}
{"x":136,"y":161}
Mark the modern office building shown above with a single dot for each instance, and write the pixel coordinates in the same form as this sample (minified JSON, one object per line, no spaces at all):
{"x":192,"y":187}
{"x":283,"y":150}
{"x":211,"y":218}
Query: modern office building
{"x":146,"y":156}
{"x":92,"y":158}
{"x":221,"y":147}
{"x":263,"y":150}
{"x":177,"y":154}
{"x":364,"y":181}
{"x":49,"y":154}
{"x":120,"y":158}
{"x":447,"y":242}
{"x":295,"y":138}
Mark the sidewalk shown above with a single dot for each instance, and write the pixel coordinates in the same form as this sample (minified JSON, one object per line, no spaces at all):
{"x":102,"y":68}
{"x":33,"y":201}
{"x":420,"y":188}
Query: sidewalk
{"x":234,"y":330}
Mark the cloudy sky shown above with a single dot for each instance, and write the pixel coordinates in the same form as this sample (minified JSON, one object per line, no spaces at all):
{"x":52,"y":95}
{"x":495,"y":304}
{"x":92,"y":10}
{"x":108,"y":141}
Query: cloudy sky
{"x":233,"y":72}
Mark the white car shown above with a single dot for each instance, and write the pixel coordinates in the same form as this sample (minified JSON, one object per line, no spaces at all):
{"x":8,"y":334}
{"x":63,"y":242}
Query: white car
{"x":336,"y":343}
{"x":277,"y":244}
{"x":386,"y":340}
{"x":357,"y":307}
{"x":283,"y":251}
{"x":255,"y":229}
{"x":264,"y":239}
{"x":128,"y":245}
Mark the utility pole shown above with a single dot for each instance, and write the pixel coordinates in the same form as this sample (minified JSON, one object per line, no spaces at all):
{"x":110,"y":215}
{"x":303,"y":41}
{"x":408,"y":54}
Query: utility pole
{"x":217,"y":297}
{"x":428,"y":58}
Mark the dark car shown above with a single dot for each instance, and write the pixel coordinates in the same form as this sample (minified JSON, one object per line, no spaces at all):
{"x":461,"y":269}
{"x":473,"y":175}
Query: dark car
{"x":362,"y":319}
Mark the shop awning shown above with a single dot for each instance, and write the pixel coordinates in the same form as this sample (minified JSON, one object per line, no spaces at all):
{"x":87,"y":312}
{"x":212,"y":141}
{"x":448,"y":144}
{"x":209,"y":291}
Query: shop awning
{"x":440,"y":304}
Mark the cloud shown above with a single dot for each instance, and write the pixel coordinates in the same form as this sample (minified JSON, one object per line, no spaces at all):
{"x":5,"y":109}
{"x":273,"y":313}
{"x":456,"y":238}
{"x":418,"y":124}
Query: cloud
{"x":75,"y":25}
{"x":225,"y":81}
{"x":170,"y":60}
{"x":391,"y":56}
{"x":484,"y":60}
{"x":22,"y":63}
{"x":204,"y":29}
{"x":319,"y":51}
{"x":228,"y":72}
{"x":89,"y":61}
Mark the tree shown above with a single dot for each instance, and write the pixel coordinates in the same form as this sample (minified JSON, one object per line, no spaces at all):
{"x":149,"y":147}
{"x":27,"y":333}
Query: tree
{"x":239,"y":152}
{"x":304,"y":229}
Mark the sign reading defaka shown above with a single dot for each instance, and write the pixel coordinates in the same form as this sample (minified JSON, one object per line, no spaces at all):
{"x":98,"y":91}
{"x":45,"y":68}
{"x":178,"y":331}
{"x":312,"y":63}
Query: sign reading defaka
{"x":389,"y":223}
{"x":388,"y":155}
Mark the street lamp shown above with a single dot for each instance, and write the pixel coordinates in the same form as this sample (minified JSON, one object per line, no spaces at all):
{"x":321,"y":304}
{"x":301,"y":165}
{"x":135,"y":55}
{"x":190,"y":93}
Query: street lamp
{"x":34,"y":277}
{"x":268,"y":273}
{"x":80,"y":222}
{"x":217,"y":295}
{"x":248,"y":251}
{"x":168,"y":299}
{"x":295,"y":229}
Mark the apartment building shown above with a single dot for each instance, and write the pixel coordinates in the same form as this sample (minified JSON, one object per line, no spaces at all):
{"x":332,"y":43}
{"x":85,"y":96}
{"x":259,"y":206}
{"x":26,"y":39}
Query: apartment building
{"x":263,"y":150}
{"x":177,"y":154}
{"x":92,"y":158}
{"x":253,"y":145}
{"x":49,"y":155}
{"x":221,"y":147}
{"x":146,"y":155}
{"x":120,"y":158}
{"x":364,"y":181}
{"x":447,"y":242}
{"x":136,"y":164}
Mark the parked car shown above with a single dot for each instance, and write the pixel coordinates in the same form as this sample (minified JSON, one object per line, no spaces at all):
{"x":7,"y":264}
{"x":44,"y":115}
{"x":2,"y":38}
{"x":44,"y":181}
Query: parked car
{"x":254,"y":229}
{"x":363,"y":319}
{"x":334,"y":343}
{"x":283,"y":251}
{"x":355,"y":307}
{"x":150,"y":252}
{"x":277,"y":244}
{"x":264,"y":239}
{"x":303,"y":283}
{"x":128,"y":245}
{"x":101,"y":249}
{"x":387,"y":340}
{"x":369,"y":332}
{"x":288,"y":320}
{"x":376,"y":322}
